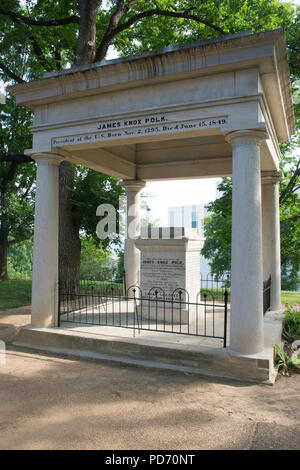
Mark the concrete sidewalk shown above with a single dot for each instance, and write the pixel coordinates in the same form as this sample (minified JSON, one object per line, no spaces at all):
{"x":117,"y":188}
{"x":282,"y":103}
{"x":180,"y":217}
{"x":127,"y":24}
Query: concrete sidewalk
{"x":11,"y":320}
{"x":54,"y":402}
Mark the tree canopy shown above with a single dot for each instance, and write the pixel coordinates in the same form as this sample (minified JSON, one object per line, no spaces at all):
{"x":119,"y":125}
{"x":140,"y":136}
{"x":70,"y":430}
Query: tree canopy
{"x":38,"y":36}
{"x":17,"y":178}
{"x":51,"y":35}
{"x":217,"y":226}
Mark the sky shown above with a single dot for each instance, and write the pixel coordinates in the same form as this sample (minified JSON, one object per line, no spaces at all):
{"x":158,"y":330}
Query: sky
{"x":165,"y":194}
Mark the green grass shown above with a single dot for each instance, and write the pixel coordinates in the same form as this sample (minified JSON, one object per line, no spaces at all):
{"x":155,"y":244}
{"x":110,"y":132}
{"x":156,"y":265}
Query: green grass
{"x":290,"y":297}
{"x":15,"y":294}
{"x":102,"y":287}
{"x":287,"y":297}
{"x":216,"y":294}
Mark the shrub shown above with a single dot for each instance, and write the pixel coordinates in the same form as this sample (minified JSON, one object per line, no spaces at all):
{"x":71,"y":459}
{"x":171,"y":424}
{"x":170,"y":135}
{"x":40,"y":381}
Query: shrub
{"x":280,"y":360}
{"x":285,"y":360}
{"x":96,"y":262}
{"x":291,"y":325}
{"x":286,"y":357}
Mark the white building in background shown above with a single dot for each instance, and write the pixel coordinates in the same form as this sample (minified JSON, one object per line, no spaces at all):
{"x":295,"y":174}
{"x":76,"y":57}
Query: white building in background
{"x":193,"y":217}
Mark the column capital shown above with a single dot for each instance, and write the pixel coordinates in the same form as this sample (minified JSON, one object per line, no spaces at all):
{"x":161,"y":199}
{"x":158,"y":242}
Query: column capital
{"x":250,"y":136}
{"x":133,"y":185}
{"x":271,"y":177}
{"x":47,"y":158}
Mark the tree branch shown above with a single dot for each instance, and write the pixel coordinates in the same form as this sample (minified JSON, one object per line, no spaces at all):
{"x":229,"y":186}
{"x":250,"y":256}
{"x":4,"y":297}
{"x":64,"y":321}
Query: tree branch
{"x":86,"y":43}
{"x":116,"y":17}
{"x":22,"y":239}
{"x":35,"y":45}
{"x":289,"y":188}
{"x":16,"y":17}
{"x":10,"y":73}
{"x":39,"y":53}
{"x":296,"y":49}
{"x":31,"y":182}
{"x":58,"y":59}
{"x":112,"y":30}
{"x":18,"y":159}
{"x":9,"y":177}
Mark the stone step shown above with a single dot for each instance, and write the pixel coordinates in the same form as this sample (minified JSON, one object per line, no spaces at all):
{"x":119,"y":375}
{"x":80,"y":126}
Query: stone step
{"x":188,"y":358}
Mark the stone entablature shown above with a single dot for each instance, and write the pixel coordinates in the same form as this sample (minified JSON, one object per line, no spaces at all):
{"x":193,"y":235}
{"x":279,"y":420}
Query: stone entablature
{"x":194,"y":93}
{"x":227,"y":52}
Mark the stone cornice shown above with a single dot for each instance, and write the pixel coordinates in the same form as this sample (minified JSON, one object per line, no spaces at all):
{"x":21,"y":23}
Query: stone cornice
{"x":151,"y":66}
{"x":183,"y":53}
{"x":285,"y":82}
{"x":171,"y":244}
{"x":265,"y":51}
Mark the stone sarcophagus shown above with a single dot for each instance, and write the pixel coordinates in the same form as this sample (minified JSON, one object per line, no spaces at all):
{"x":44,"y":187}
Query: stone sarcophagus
{"x":169,"y":273}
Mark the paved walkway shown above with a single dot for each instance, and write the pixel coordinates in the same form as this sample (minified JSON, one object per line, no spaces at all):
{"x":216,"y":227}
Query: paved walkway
{"x":11,"y":319}
{"x":49,"y":402}
{"x":54,"y":402}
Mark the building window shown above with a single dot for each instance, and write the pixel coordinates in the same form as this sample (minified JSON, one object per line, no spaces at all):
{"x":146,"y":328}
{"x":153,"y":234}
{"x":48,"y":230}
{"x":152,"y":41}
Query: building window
{"x":194,"y":219}
{"x":172,"y":219}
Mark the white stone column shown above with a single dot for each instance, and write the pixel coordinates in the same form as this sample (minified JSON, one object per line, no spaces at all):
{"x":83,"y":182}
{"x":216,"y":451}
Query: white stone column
{"x":246,"y":312}
{"x":45,"y":255}
{"x":271,"y":234}
{"x":133,"y":228}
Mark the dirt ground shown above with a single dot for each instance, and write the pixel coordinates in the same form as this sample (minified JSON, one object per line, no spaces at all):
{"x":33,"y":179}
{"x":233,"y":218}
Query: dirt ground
{"x":55,"y":402}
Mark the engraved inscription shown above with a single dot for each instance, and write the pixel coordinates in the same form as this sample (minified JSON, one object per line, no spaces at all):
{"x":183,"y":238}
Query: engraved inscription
{"x":165,"y":270}
{"x":149,"y":125}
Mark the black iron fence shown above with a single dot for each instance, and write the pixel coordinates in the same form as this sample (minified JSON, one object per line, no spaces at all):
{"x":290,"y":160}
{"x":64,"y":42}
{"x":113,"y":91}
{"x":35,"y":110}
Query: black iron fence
{"x":216,"y":285}
{"x":107,"y":304}
{"x":267,"y":294}
{"x":220,"y":284}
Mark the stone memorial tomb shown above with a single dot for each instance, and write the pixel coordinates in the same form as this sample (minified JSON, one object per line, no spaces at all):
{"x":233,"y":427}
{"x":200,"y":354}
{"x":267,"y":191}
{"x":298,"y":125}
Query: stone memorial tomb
{"x":170,"y":273}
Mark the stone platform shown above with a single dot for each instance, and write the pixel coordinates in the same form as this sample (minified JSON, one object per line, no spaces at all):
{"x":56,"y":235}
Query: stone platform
{"x":152,"y":318}
{"x":196,"y":319}
{"x":184,"y":353}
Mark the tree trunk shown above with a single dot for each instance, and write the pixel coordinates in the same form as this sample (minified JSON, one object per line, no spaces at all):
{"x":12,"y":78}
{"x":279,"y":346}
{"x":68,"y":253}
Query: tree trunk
{"x":3,"y":255}
{"x":69,"y":241}
{"x":86,"y":44}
